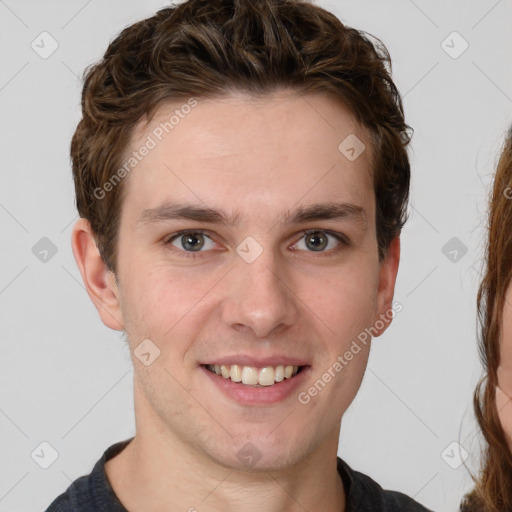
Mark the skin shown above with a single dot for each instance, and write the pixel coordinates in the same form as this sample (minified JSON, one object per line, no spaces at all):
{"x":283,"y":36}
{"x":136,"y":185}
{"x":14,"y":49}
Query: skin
{"x":260,"y":159}
{"x":504,"y":389}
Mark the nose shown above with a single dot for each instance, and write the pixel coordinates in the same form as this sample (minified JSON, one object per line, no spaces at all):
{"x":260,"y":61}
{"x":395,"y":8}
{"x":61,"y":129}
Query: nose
{"x":259,"y":297}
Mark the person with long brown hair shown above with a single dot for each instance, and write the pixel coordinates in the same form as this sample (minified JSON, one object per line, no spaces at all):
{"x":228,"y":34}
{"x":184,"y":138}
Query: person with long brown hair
{"x":492,"y":399}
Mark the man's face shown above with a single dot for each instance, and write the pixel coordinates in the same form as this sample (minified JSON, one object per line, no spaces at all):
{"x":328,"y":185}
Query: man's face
{"x":259,"y":292}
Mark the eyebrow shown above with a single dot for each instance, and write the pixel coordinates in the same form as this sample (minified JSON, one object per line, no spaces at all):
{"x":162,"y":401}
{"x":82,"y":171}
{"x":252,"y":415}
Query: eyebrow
{"x":200,"y":213}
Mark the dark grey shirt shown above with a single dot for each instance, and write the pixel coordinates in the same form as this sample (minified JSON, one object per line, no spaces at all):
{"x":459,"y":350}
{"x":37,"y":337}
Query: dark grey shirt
{"x":93,"y":492}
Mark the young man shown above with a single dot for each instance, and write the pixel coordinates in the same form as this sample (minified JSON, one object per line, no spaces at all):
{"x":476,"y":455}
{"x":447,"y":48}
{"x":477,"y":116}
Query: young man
{"x":241,"y":175}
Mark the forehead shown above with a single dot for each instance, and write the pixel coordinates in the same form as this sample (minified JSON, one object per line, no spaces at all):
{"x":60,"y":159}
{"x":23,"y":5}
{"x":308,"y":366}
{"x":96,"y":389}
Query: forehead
{"x":251,"y":154}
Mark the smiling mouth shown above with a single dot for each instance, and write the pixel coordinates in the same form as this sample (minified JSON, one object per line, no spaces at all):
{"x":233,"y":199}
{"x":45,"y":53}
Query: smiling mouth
{"x":253,"y":376}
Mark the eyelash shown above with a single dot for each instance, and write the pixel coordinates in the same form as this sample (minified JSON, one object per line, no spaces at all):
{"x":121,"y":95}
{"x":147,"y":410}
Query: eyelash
{"x":344,"y":241}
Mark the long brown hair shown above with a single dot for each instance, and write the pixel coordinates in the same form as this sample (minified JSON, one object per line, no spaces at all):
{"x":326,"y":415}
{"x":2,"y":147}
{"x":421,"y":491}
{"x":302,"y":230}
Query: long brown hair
{"x":210,"y":48}
{"x":493,"y":489}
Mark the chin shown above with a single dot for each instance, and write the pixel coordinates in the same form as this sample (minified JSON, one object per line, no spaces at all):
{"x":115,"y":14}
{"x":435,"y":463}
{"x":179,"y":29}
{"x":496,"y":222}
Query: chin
{"x":259,"y":453}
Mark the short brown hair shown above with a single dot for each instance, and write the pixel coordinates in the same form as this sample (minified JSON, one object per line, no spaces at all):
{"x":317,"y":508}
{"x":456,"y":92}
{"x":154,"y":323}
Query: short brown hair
{"x":493,"y":490}
{"x":209,"y":48}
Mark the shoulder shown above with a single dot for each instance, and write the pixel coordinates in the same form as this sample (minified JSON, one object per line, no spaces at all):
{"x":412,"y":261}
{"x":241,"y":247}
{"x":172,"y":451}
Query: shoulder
{"x":72,"y":498}
{"x":60,"y":504}
{"x":365,"y":494}
{"x":92,"y":492}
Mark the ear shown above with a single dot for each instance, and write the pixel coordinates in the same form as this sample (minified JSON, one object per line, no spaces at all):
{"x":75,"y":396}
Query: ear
{"x":99,"y":282}
{"x":386,"y":290}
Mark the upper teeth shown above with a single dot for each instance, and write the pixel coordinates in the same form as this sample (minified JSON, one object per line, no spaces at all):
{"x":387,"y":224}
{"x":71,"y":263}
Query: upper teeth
{"x":251,"y":375}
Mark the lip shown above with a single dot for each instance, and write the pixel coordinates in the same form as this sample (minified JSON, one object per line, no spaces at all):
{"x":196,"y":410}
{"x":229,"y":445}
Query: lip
{"x":257,"y":395}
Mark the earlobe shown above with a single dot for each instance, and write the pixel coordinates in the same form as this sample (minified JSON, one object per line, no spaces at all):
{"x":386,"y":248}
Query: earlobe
{"x":98,"y":280}
{"x":386,"y":290}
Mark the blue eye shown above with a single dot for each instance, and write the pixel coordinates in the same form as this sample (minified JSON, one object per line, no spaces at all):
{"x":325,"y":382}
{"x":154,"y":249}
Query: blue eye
{"x":190,"y":243}
{"x":318,"y":240}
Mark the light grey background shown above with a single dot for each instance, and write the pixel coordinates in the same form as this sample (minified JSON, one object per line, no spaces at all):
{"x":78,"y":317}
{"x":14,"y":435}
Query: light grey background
{"x":65,"y":379}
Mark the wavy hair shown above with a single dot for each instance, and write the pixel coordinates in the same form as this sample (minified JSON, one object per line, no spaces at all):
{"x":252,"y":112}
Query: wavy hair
{"x":493,"y":486}
{"x":211,"y":48}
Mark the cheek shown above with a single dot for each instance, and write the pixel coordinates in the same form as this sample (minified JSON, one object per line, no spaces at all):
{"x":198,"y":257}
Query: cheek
{"x":156,"y":300}
{"x":506,"y":342}
{"x":504,"y":407}
{"x":167,"y":306}
{"x":345,"y":298}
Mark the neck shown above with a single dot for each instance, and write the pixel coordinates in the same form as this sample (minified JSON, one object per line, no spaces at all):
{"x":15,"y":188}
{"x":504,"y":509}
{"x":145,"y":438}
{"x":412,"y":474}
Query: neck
{"x":157,"y":472}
